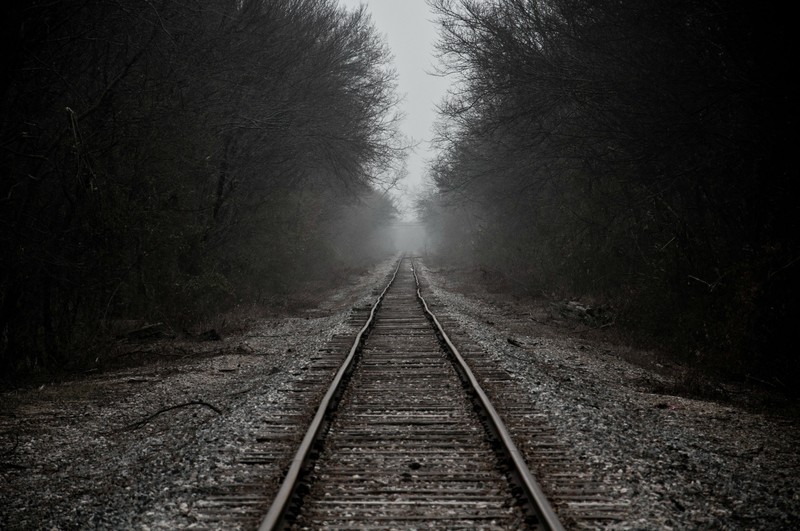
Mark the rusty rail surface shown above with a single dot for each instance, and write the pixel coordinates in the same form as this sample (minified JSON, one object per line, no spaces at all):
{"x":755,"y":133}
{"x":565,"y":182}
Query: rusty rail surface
{"x":400,"y":438}
{"x":290,"y":482}
{"x":537,"y":498}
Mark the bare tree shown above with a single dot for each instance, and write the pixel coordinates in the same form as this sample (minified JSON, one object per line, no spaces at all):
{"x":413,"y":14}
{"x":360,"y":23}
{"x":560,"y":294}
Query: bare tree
{"x":610,"y":148}
{"x":144,"y":145}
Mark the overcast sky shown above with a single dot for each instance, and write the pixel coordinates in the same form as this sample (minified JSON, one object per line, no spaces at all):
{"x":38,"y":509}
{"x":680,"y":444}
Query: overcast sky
{"x":408,"y":28}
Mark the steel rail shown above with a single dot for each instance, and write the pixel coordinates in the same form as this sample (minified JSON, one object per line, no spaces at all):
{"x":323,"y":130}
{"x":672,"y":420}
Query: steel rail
{"x":281,"y":502}
{"x":548,"y":518}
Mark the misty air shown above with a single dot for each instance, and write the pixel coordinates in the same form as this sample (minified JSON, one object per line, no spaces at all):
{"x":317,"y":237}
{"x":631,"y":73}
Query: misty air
{"x":384,"y":264}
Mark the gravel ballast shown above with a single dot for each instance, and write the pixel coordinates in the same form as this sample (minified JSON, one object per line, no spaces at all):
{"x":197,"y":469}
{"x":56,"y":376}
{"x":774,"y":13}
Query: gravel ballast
{"x":130,"y":448}
{"x":106,"y":452}
{"x":677,"y":462}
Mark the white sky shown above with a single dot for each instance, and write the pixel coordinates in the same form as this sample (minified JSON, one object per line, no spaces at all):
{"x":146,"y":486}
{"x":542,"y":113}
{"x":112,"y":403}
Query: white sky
{"x":409,"y":29}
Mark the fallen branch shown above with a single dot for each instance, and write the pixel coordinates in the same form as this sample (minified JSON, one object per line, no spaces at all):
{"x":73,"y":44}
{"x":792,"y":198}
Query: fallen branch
{"x":765,"y":382}
{"x":144,"y":421}
{"x":514,"y":342}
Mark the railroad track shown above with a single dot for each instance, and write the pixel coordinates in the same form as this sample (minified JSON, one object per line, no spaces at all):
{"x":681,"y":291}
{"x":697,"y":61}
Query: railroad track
{"x":390,"y":429}
{"x":406,"y":438}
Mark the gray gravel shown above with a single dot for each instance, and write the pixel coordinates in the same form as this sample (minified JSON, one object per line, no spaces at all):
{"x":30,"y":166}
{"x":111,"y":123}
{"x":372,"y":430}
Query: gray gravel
{"x":679,"y":462}
{"x":74,"y":457}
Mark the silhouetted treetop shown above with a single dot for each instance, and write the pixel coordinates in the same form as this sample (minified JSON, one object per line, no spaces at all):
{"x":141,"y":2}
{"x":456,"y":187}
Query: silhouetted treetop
{"x":164,"y":159}
{"x":633,"y":150}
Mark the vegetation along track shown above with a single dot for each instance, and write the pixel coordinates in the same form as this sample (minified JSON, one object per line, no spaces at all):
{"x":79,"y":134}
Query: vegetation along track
{"x":402,"y":435}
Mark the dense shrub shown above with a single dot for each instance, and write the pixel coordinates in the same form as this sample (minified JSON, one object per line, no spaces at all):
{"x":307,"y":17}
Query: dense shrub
{"x":163,"y":160}
{"x":635,"y":151}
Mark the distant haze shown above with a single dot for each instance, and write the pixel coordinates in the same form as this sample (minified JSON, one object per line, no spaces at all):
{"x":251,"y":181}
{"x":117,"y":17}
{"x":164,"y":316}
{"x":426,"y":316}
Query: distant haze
{"x":408,"y":28}
{"x":409,"y":237}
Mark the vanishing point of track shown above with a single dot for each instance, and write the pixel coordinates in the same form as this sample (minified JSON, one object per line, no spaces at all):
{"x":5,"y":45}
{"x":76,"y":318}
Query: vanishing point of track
{"x":406,"y":438}
{"x":393,"y":433}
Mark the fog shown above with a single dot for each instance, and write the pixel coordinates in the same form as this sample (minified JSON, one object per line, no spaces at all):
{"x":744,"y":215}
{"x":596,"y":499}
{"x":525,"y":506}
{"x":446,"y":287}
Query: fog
{"x":409,"y":29}
{"x":408,"y":237}
{"x":178,"y":162}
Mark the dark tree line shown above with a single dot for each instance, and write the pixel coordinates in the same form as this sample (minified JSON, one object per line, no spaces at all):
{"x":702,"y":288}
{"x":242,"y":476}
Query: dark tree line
{"x":633,"y":151}
{"x":164,"y":160}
